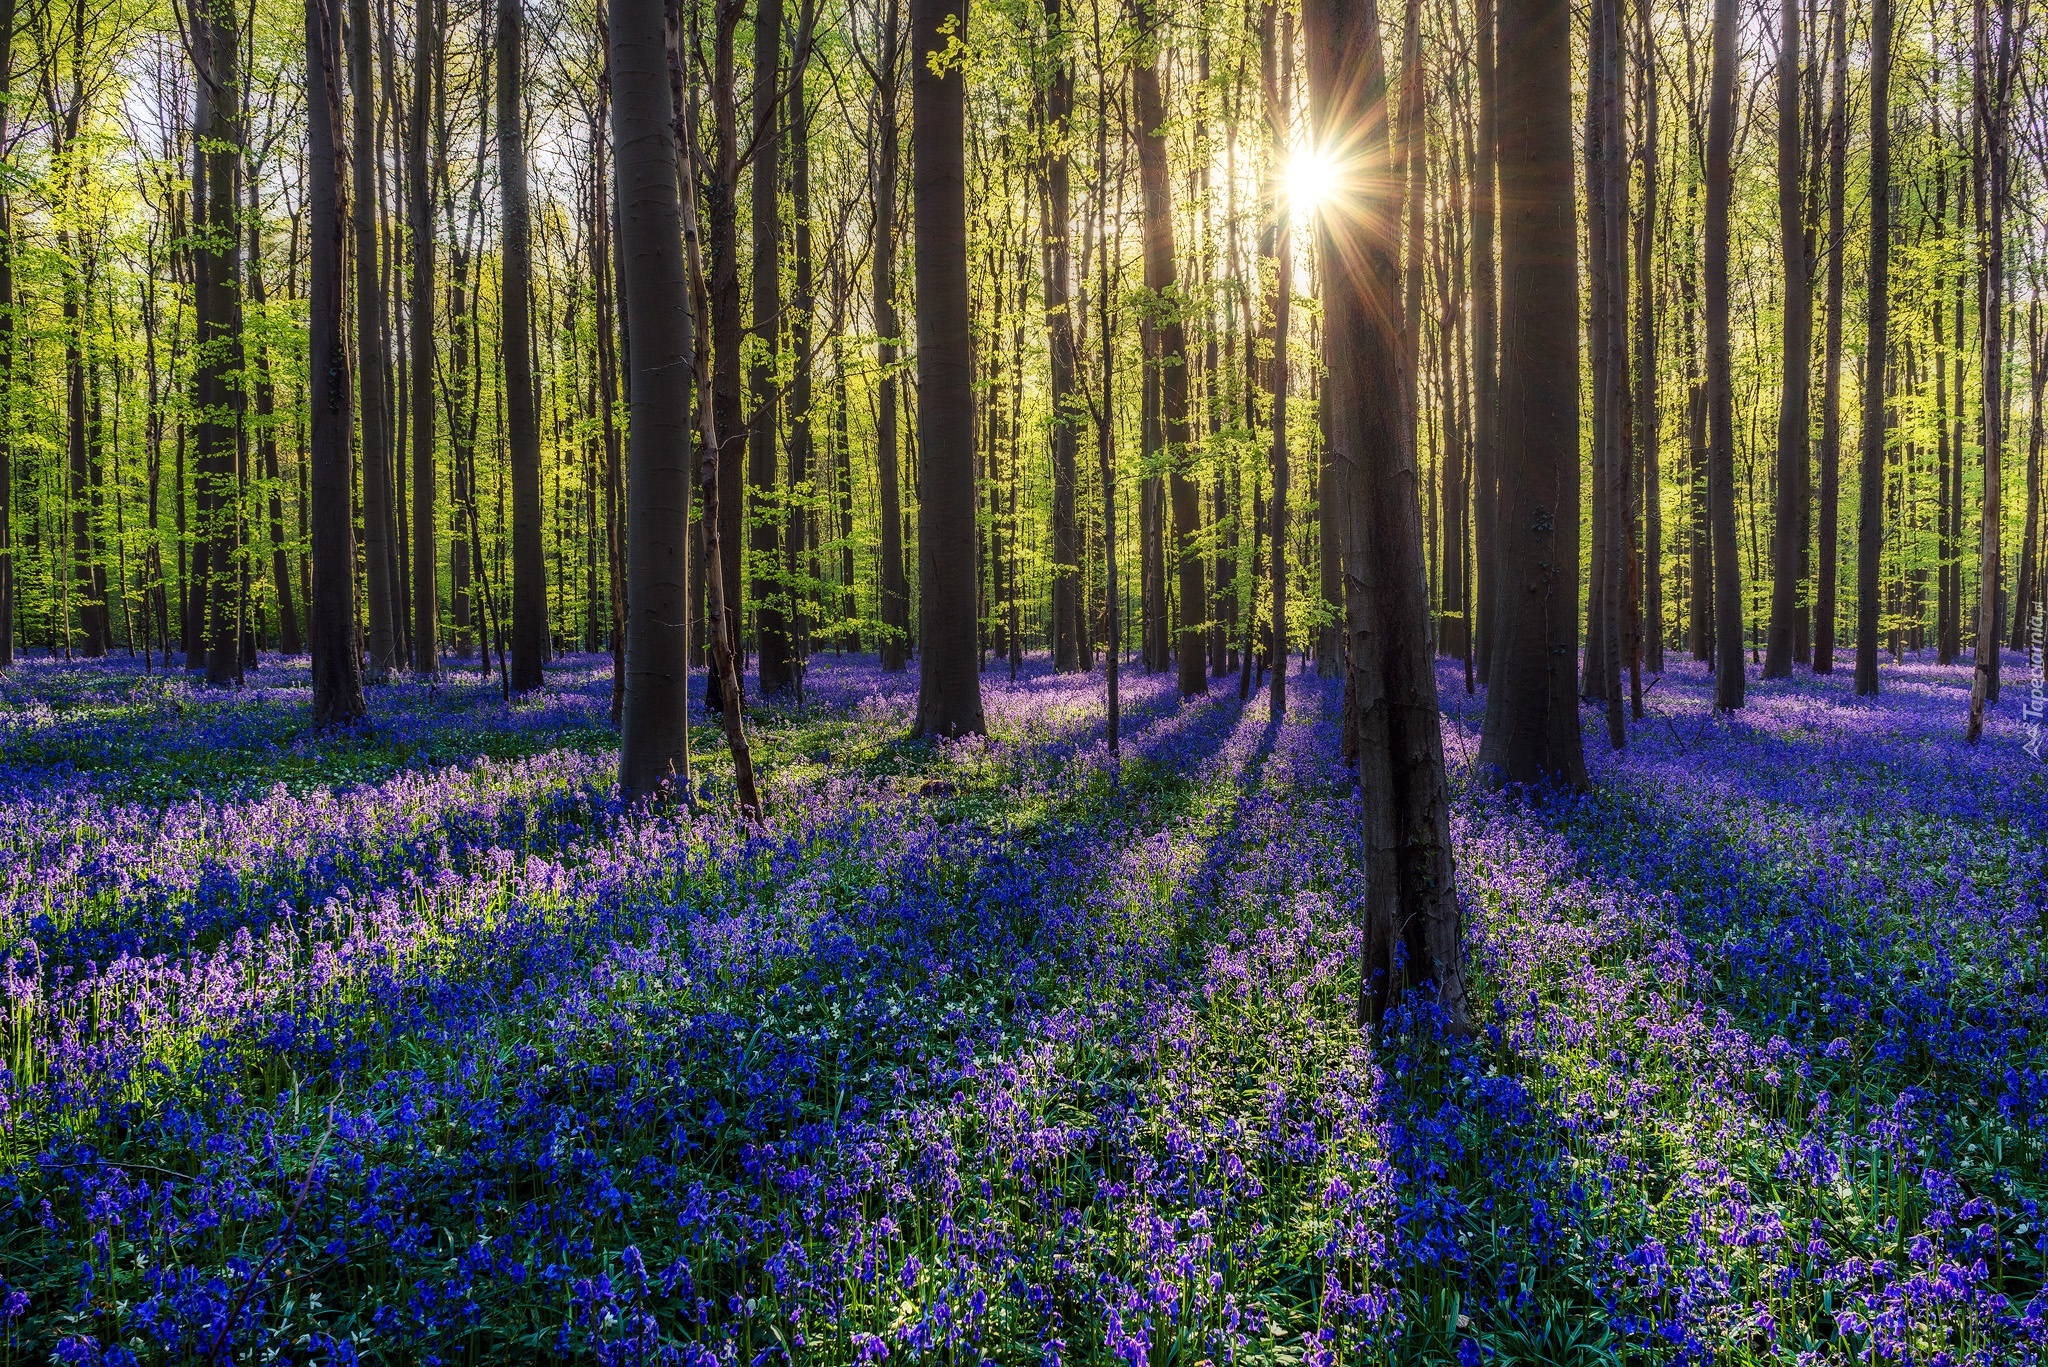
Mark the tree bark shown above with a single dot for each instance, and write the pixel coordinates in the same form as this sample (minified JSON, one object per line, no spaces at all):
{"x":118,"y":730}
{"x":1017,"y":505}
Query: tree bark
{"x":522,"y":430}
{"x":1796,"y":359}
{"x":1279,"y":94}
{"x":217,"y":262}
{"x":654,"y":730}
{"x":764,"y":518}
{"x":895,"y":589}
{"x":1055,"y":114}
{"x":1410,"y":897}
{"x":1729,"y":674}
{"x":1996,"y":49}
{"x":1531,"y":731}
{"x":1824,"y":606}
{"x":426,"y":611}
{"x":372,"y":363}
{"x":1877,"y":316}
{"x":949,"y":683}
{"x":337,"y":667}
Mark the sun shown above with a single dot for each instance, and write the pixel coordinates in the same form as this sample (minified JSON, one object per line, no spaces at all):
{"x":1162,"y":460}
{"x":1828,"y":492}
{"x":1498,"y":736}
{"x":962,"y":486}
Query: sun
{"x":1310,"y":180}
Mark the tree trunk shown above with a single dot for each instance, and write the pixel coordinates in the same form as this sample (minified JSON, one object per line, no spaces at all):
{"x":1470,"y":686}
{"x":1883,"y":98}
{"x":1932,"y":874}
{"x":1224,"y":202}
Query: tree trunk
{"x":654,"y":731}
{"x":217,"y":260}
{"x":895,"y":589}
{"x":1411,"y":899}
{"x":1824,"y":606}
{"x":949,"y":685}
{"x":1279,"y":93}
{"x":1877,"y":315}
{"x":1995,"y":63}
{"x":764,"y":532}
{"x":1646,"y":415}
{"x":1796,"y":360}
{"x":1532,"y":716}
{"x":1729,"y":675}
{"x":288,"y":640}
{"x":426,"y":612}
{"x":522,"y":430}
{"x":1055,"y":114}
{"x":1485,"y":348}
{"x":7,"y":356}
{"x":372,"y":363}
{"x":337,"y":668}
{"x":797,"y":535}
{"x":2028,"y":588}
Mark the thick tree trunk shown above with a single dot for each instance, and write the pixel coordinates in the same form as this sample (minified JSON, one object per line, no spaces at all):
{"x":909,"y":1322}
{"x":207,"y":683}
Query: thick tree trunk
{"x":1532,"y":716}
{"x":1796,"y":359}
{"x":1411,"y":912}
{"x":337,"y":668}
{"x":1485,"y":349}
{"x":1729,"y":674}
{"x":949,"y":684}
{"x":1825,"y":571}
{"x":1877,"y":316}
{"x":654,"y":731}
{"x":522,"y":429}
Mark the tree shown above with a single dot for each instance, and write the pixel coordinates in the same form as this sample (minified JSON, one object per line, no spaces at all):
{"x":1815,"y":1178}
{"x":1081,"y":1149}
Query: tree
{"x":1795,"y":370}
{"x":1531,"y":733}
{"x":337,"y":668}
{"x":529,"y":568}
{"x":1411,"y":915}
{"x":1824,"y":606}
{"x":771,"y":624}
{"x":1278,"y":84}
{"x":420,"y":205}
{"x":1729,"y":676}
{"x":1877,"y":341}
{"x":1055,"y":115}
{"x":654,"y":734}
{"x":1167,"y":356}
{"x":372,"y":363}
{"x":217,"y":270}
{"x":949,"y":682}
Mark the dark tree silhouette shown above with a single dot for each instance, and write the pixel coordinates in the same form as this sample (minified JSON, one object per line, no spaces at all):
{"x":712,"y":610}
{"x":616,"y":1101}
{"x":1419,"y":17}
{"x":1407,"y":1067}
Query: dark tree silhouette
{"x":1532,"y":717}
{"x":1729,"y":675}
{"x":522,"y":428}
{"x":1796,"y":364}
{"x":1877,"y":321}
{"x":337,"y":668}
{"x":949,"y":682}
{"x":1411,"y":901}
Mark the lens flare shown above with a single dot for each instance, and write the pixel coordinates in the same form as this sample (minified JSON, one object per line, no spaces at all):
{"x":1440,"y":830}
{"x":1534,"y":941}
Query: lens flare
{"x":1311,"y":180}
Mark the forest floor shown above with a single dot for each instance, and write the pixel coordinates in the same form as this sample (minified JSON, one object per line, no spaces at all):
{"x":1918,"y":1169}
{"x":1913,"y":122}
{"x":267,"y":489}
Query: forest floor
{"x":413,"y":1045}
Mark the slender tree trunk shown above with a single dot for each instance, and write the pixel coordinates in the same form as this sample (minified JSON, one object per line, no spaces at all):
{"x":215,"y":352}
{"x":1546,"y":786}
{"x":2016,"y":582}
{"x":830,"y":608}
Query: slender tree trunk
{"x":1995,"y":62}
{"x":1485,"y":347}
{"x":1796,"y":360}
{"x":288,"y":641}
{"x":529,"y":565}
{"x":764,"y":532}
{"x":2028,"y":588}
{"x":1825,"y":611}
{"x":372,"y":362}
{"x":1532,"y":717}
{"x":1646,"y":415}
{"x":797,"y":539}
{"x":1411,"y":921}
{"x":337,"y":668}
{"x":895,"y":590}
{"x":1729,"y":675}
{"x":217,"y":260}
{"x":1877,"y":315}
{"x":426,"y":612}
{"x":7,"y":353}
{"x":1279,"y":92}
{"x":1055,"y":114}
{"x":949,"y":685}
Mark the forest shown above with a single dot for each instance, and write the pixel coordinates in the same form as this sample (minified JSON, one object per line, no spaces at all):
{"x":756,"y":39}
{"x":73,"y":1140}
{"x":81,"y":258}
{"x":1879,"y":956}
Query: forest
{"x":1051,"y":683}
